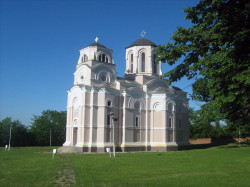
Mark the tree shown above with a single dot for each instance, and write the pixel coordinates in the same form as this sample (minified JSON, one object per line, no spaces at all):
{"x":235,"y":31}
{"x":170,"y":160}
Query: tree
{"x":49,"y":120}
{"x":204,"y":124}
{"x":19,"y":133}
{"x":216,"y":51}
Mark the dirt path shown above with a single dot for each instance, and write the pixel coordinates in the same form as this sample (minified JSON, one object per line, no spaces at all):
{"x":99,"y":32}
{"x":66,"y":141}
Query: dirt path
{"x":66,"y":175}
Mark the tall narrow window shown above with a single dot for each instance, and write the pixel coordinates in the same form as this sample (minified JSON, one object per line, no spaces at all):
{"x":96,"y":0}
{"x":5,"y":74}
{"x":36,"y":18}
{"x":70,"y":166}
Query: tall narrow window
{"x":143,"y":62}
{"x":108,"y":119}
{"x":170,"y":122}
{"x":102,"y":58}
{"x":154,"y":65}
{"x":132,"y":65}
{"x":137,"y":121}
{"x":85,"y":58}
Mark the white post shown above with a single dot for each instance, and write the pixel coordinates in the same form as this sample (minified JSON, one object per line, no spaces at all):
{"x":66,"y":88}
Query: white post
{"x":9,"y":138}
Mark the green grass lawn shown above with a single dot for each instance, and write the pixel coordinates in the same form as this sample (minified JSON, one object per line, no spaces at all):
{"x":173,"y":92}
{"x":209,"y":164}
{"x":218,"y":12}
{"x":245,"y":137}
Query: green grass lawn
{"x":227,"y":165}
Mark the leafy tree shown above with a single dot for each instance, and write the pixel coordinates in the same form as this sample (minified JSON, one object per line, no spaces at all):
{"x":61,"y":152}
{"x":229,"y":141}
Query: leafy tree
{"x":19,"y":133}
{"x":202,"y":124}
{"x":5,"y":131}
{"x":49,"y":120}
{"x":206,"y":123}
{"x":216,"y":51}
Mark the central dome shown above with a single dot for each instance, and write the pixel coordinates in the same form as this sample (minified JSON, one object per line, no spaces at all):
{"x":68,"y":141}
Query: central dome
{"x":97,"y":44}
{"x":142,"y":42}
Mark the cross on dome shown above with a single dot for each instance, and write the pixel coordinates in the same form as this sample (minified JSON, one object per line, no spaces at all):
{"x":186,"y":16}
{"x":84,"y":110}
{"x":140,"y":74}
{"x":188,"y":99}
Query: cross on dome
{"x":143,"y":33}
{"x":96,"y":39}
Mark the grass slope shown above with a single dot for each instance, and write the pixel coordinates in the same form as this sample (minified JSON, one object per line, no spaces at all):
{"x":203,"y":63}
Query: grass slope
{"x":216,"y":166}
{"x":28,"y":167}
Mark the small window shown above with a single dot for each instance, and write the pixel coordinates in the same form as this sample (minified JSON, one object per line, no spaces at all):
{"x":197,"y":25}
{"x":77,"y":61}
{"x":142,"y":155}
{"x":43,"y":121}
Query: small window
{"x":85,"y":58}
{"x":137,"y":121}
{"x":170,"y":122}
{"x":109,"y":103}
{"x":143,"y":62}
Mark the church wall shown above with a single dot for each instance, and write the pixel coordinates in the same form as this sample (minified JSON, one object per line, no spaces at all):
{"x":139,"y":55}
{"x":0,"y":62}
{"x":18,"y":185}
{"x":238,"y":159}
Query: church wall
{"x":94,"y":135}
{"x":143,"y":119}
{"x":170,"y":136}
{"x":87,"y":116}
{"x":159,"y":119}
{"x":94,"y":124}
{"x":158,"y":135}
{"x":86,"y":134}
{"x":87,"y":98}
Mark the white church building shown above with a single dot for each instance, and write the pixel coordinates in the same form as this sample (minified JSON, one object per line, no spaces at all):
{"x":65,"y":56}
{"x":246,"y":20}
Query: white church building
{"x":150,"y":114}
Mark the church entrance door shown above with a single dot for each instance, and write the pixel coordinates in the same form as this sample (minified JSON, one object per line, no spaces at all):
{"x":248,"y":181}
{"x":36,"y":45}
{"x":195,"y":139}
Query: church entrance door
{"x":75,"y":135}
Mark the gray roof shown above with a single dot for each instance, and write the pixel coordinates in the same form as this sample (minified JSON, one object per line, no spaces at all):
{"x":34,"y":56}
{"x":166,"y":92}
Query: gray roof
{"x":97,"y":44}
{"x":142,"y":42}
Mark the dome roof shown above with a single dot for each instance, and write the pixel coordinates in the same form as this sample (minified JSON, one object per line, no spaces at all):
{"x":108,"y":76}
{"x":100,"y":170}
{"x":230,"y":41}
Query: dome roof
{"x":97,"y":44}
{"x":142,"y":42}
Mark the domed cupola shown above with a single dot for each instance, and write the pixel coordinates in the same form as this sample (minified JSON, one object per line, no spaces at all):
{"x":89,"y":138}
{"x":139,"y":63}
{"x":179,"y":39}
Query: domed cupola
{"x":98,"y":45}
{"x":142,"y":42}
{"x":140,"y":59}
{"x":96,"y":52}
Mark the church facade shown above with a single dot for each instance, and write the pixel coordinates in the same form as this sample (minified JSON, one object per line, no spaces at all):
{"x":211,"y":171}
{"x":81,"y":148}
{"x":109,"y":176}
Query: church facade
{"x":150,"y":114}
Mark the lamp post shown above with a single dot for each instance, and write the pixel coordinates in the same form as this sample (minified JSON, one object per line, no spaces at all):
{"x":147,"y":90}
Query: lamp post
{"x":9,"y":138}
{"x":112,"y":116}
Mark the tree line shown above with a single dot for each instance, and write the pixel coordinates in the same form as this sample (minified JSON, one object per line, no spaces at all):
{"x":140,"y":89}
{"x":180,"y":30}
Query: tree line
{"x":52,"y":124}
{"x":205,"y":123}
{"x":49,"y":124}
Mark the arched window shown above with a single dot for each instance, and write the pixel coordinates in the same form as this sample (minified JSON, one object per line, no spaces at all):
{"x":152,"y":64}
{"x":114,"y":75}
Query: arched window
{"x":132,"y":65}
{"x":108,"y":103}
{"x":143,"y":62}
{"x":102,"y":58}
{"x":85,"y":58}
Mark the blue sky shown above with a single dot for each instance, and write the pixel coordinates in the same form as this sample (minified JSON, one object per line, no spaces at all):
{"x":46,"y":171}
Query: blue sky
{"x":40,"y":42}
